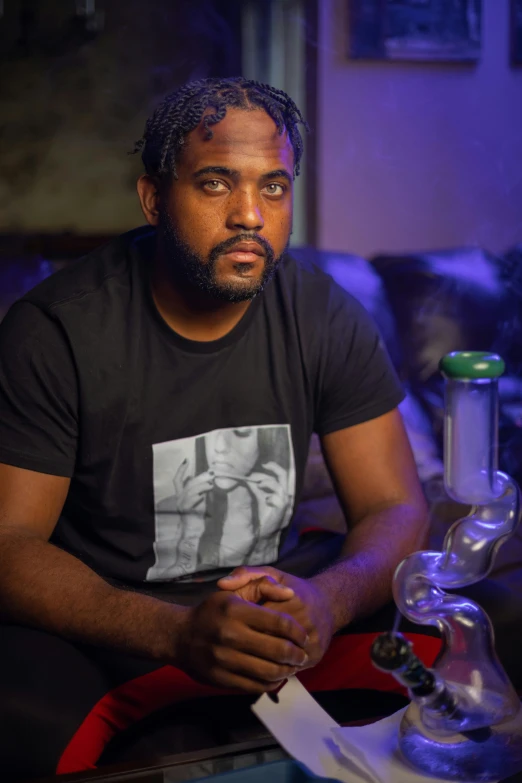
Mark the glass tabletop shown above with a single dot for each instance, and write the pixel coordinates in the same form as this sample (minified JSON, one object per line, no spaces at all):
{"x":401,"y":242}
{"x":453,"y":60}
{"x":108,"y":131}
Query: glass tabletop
{"x":183,"y":766}
{"x":193,"y":765}
{"x":216,"y":766}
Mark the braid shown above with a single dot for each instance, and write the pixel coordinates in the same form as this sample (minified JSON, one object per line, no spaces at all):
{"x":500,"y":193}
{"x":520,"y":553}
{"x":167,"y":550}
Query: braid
{"x":182,"y":111}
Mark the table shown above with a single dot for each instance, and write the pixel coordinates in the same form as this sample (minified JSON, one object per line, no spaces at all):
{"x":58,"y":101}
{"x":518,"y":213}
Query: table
{"x":193,"y":765}
{"x":183,"y":766}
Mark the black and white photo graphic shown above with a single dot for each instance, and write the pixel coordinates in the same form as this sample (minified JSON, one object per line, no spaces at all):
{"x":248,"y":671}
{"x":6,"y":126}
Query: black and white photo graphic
{"x":221,"y":499}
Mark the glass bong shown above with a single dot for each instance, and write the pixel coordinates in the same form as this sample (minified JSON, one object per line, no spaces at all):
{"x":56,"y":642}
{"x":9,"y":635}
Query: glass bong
{"x":464,"y":721}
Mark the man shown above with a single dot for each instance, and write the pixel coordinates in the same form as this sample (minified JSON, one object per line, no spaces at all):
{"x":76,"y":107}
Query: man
{"x":124,"y":380}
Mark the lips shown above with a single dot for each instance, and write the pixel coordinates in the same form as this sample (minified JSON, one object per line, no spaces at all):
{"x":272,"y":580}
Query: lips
{"x":246,"y":252}
{"x":247,"y":247}
{"x":221,"y":465}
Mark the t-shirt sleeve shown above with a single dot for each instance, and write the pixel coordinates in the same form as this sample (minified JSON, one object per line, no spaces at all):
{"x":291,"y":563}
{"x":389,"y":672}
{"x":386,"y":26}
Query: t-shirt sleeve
{"x":357,"y":380}
{"x":38,"y":393}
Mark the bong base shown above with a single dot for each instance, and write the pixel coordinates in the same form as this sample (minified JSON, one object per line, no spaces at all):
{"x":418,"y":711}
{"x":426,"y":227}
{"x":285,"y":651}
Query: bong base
{"x":483,"y":755}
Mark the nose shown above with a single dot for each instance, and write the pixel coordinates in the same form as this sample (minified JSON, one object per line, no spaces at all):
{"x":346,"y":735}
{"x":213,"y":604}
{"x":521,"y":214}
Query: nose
{"x":245,"y":213}
{"x":221,"y":444}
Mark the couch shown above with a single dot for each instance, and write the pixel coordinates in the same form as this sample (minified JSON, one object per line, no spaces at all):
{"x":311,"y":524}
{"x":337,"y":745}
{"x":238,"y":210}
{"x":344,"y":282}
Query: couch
{"x":426,"y":304}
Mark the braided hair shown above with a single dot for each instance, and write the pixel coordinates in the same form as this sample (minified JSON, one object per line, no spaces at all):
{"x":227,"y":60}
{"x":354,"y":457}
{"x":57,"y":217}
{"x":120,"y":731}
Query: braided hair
{"x":181,"y":111}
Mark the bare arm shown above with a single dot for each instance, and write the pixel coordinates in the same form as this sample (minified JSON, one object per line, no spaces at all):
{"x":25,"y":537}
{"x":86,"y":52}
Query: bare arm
{"x":376,"y":481}
{"x":226,"y":640}
{"x":45,"y":587}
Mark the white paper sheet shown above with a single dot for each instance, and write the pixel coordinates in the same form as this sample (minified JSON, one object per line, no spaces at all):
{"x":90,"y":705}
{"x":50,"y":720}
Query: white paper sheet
{"x":351,"y":754}
{"x":304,"y":730}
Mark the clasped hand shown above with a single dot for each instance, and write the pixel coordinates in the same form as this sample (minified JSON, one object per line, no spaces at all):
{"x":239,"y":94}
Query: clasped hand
{"x":260,"y":628}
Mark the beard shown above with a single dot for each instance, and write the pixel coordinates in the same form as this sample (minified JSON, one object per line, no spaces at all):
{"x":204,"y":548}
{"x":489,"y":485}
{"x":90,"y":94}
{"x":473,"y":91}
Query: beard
{"x":188,"y":268}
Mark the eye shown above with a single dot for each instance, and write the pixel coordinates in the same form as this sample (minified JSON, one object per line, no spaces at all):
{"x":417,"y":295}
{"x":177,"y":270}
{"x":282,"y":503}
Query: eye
{"x":244,"y":433}
{"x":214,"y":185}
{"x":274,"y":189}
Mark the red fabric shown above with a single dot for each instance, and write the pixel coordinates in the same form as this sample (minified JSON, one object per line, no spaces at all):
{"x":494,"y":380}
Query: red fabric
{"x":311,"y":529}
{"x":122,"y":707}
{"x":346,"y":664}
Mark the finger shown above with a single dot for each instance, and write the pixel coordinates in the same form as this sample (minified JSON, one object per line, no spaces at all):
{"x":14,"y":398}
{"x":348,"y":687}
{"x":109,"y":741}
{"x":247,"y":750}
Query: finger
{"x":244,"y":574}
{"x":269,"y":485}
{"x":235,"y":682}
{"x":296,"y":610}
{"x":180,"y":475}
{"x":273,"y":467}
{"x":194,"y":495}
{"x":282,"y":652}
{"x":270,"y":621}
{"x":264,"y":589}
{"x":252,"y":667}
{"x":202,"y":478}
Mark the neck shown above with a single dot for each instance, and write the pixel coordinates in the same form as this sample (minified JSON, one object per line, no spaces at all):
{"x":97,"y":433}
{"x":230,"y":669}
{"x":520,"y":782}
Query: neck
{"x":190,"y":312}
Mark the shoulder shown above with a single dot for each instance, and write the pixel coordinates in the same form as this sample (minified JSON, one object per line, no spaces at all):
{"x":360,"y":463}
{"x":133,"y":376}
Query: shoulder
{"x":30,"y":329}
{"x":315,"y":293}
{"x":82,"y":279}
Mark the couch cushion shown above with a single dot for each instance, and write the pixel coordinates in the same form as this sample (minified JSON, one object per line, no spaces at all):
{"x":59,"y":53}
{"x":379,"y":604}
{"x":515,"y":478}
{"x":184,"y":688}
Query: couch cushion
{"x":456,"y":300}
{"x":446,"y":301}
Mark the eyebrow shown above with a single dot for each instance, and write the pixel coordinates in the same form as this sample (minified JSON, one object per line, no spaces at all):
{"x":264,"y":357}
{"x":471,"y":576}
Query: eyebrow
{"x":279,"y":173}
{"x":224,"y":171}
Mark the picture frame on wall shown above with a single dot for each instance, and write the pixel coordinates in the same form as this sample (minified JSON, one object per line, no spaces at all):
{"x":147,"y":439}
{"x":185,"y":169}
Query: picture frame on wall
{"x":516,"y":32}
{"x":418,"y":30}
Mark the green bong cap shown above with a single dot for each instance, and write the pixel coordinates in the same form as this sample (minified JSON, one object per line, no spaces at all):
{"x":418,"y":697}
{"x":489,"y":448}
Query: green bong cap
{"x":471,"y":365}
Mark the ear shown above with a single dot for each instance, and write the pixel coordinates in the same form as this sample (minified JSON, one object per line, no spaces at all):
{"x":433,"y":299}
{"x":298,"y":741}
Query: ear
{"x":149,"y":195}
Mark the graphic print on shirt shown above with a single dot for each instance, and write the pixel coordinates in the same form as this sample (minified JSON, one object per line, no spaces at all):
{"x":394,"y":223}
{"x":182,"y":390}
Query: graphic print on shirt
{"x":221,"y":499}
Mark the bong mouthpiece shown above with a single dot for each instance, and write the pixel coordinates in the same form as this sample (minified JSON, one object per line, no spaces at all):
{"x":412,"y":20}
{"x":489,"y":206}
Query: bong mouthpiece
{"x":392,"y":652}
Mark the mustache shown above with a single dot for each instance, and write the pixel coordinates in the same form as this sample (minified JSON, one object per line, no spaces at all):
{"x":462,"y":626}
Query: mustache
{"x":228,"y":244}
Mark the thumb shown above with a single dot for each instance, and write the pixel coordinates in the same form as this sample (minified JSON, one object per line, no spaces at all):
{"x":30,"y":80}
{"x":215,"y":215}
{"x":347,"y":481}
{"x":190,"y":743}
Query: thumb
{"x":264,"y":589}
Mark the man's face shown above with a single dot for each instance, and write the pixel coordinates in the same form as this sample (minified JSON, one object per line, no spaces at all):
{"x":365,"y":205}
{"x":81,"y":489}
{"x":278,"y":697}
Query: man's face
{"x":226,"y":220}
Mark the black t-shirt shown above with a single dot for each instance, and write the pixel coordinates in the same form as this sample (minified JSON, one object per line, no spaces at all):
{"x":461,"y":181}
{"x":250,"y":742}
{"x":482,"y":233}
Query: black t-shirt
{"x":185,"y":457}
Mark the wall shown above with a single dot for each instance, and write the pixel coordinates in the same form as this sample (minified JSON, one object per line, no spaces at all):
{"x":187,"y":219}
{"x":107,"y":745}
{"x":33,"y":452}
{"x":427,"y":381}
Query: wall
{"x":415,"y":156}
{"x":73,"y":104}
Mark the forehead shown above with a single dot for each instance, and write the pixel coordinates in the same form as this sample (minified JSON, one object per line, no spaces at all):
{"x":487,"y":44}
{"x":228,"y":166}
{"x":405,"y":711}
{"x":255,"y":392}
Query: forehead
{"x":242,"y":139}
